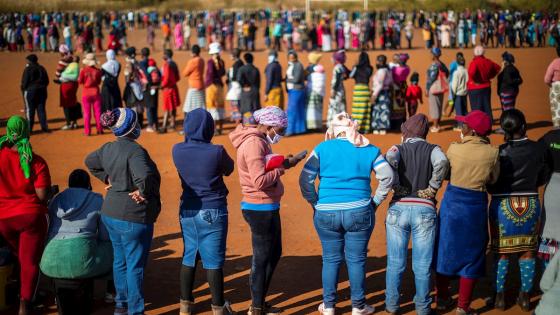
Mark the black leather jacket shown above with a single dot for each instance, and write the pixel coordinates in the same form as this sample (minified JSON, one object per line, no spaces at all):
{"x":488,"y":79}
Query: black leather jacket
{"x":522,"y":168}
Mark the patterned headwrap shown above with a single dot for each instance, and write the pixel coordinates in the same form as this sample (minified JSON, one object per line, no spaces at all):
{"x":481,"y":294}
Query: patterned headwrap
{"x":17,"y":133}
{"x":271,"y":116}
{"x":343,"y":123}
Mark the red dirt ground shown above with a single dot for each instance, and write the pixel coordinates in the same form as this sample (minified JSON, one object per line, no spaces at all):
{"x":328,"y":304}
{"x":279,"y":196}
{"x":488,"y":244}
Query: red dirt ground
{"x":296,"y":286}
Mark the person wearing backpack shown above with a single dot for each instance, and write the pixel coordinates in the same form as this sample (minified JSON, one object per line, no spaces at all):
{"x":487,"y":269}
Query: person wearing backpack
{"x":436,"y":86}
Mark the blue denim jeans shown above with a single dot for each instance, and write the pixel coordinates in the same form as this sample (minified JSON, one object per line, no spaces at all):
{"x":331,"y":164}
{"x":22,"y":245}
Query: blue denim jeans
{"x":131,"y":246}
{"x":204,"y":232}
{"x":344,"y":236}
{"x":402,"y":221}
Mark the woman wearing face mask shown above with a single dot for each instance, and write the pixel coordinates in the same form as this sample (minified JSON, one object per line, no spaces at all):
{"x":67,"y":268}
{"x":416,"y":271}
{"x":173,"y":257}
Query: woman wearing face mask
{"x":131,"y":206}
{"x":461,"y":250}
{"x":262,"y":190}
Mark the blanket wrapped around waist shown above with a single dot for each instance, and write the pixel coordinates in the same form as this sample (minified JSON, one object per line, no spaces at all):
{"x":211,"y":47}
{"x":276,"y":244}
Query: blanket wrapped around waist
{"x":463,"y":233}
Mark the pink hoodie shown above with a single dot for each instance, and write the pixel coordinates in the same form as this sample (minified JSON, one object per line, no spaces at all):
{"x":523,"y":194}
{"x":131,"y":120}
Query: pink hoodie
{"x":257,"y":185}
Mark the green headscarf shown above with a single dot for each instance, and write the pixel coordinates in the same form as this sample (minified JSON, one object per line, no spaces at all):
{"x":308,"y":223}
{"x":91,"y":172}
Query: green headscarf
{"x":17,"y":133}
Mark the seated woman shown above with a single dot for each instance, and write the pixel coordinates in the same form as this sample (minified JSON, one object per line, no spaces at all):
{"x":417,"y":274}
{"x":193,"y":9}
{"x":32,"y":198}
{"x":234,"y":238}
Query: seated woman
{"x":78,"y":247}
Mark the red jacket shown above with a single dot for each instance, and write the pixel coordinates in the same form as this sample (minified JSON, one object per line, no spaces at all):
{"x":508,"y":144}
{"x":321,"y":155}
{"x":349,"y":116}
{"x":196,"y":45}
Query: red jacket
{"x":481,"y":71}
{"x":170,"y":75}
{"x":90,"y":78}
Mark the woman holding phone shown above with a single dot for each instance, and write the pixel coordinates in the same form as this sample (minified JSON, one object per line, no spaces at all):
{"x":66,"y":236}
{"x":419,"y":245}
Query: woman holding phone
{"x":262,"y":189}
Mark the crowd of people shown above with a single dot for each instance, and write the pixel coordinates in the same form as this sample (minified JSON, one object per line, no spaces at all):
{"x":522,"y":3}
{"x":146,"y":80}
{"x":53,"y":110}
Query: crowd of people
{"x":86,"y":236}
{"x":82,"y":226}
{"x":322,"y":30}
{"x":383,"y":97}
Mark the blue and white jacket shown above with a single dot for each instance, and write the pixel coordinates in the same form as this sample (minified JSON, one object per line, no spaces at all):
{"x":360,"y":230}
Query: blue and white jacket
{"x":344,"y":172}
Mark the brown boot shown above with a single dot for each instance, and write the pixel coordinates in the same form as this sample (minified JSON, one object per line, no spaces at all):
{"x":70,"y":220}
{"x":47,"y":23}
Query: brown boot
{"x":24,"y":307}
{"x":185,"y":307}
{"x":222,"y":310}
{"x":255,"y":311}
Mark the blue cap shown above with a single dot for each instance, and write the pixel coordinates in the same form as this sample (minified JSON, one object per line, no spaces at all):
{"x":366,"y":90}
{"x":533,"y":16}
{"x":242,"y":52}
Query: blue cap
{"x":436,"y":51}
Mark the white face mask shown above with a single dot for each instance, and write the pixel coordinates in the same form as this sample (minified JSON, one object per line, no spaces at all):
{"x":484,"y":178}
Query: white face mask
{"x":274,"y":140}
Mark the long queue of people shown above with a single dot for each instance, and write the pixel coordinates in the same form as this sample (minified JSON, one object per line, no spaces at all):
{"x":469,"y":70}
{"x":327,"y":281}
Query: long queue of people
{"x":82,"y":224}
{"x":382,"y":98}
{"x":325,"y":30}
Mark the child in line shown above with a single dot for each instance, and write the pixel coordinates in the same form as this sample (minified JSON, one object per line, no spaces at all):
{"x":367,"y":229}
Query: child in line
{"x":154,"y":83}
{"x":413,"y":95}
{"x":459,"y":89}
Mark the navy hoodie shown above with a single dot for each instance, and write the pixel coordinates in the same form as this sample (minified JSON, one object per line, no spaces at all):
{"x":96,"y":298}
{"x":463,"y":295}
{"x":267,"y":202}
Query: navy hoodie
{"x":201,"y":165}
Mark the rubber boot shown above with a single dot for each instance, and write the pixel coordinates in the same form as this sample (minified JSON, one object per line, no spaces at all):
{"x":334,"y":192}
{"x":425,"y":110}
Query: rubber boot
{"x":185,"y":307}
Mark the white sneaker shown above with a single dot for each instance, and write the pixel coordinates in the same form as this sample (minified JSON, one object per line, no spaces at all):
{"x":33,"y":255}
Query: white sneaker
{"x":325,"y":311}
{"x":382,"y":132}
{"x":376,"y":132}
{"x":364,"y":311}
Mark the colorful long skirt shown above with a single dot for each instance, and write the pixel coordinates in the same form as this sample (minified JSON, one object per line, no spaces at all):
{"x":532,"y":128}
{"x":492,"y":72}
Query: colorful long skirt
{"x":555,"y":103}
{"x":275,"y":97}
{"x":337,"y":104}
{"x":315,"y":111}
{"x":381,"y":111}
{"x":398,"y":112}
{"x":361,"y":107}
{"x":296,"y":112}
{"x":514,"y":223}
{"x":463,"y":233}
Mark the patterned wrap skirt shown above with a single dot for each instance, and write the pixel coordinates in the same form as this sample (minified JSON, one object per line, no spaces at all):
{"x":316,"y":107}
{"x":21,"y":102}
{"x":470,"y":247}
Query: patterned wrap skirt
{"x":555,"y":103}
{"x":314,"y":115}
{"x":514,"y":223}
{"x":195,"y":99}
{"x":337,"y":104}
{"x":361,"y":107}
{"x":398,"y":112}
{"x":381,"y":111}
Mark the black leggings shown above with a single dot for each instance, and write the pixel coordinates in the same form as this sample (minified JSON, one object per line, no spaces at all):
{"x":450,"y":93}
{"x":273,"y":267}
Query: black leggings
{"x":266,"y":235}
{"x":215,"y":280}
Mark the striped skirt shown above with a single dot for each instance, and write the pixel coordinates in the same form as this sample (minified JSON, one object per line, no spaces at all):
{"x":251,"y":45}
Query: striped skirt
{"x":314,"y":115}
{"x":195,"y":99}
{"x":361,"y":108}
{"x":507,"y":99}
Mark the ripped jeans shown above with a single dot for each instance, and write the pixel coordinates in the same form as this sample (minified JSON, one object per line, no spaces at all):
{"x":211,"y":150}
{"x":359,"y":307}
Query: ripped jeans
{"x":401,"y":222}
{"x":204,"y":233}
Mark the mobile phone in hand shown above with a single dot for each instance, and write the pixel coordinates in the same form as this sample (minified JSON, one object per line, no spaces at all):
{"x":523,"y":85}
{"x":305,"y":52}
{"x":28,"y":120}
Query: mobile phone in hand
{"x":301,"y":155}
